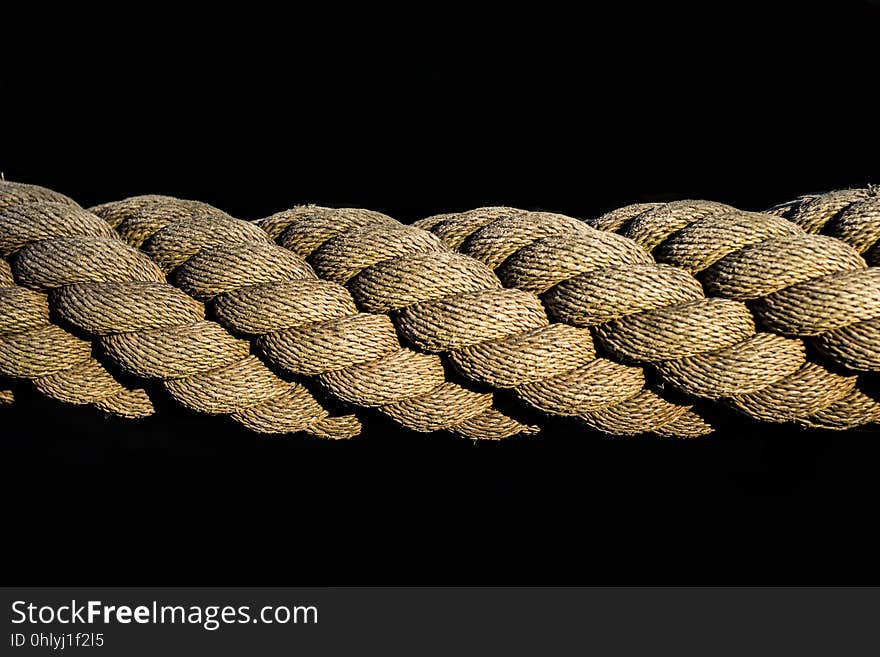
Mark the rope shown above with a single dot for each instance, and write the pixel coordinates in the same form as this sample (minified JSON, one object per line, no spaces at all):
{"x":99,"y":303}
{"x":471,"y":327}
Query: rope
{"x":655,"y":314}
{"x":149,"y":329}
{"x":796,"y":284}
{"x":301,"y":325}
{"x":59,"y":363}
{"x":444,"y":302}
{"x":625,"y":331}
{"x":103,"y":288}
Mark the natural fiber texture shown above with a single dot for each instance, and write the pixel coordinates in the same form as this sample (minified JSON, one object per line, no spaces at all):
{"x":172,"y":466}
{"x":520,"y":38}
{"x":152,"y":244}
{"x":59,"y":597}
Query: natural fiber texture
{"x":444,"y":302}
{"x":103,"y":288}
{"x":60,"y":364}
{"x":642,"y":312}
{"x":850,"y":333}
{"x":624,"y":324}
{"x":796,"y":284}
{"x":299,"y":324}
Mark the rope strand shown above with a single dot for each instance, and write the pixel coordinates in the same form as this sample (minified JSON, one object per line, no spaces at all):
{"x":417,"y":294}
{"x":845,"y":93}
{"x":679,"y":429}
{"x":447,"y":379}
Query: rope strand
{"x":637,"y":321}
{"x":656,"y":314}
{"x":301,"y":325}
{"x":444,"y":302}
{"x":58,"y":363}
{"x":115,"y":294}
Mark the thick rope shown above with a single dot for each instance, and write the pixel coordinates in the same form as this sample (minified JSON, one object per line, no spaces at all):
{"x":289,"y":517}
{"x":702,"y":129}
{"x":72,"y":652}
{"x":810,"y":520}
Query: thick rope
{"x":657,"y":315}
{"x":852,"y":216}
{"x":444,"y":302}
{"x":302,"y":325}
{"x":565,"y":315}
{"x":106,"y":289}
{"x":60,"y":364}
{"x":199,"y":347}
{"x":796,"y":284}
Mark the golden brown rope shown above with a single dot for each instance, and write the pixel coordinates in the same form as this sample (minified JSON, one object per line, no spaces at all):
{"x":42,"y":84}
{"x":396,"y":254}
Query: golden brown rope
{"x":444,"y":302}
{"x":648,"y":313}
{"x":639,"y":312}
{"x":60,"y":364}
{"x":564,"y":314}
{"x":796,"y":284}
{"x":105,"y":289}
{"x":302,"y":325}
{"x":852,"y":216}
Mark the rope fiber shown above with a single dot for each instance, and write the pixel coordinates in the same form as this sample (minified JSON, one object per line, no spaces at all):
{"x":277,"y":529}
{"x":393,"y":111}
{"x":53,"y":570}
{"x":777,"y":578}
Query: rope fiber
{"x":647,"y":319}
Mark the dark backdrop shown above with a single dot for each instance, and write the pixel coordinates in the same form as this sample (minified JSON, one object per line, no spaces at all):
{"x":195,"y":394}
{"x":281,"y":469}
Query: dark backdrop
{"x":413,"y":113}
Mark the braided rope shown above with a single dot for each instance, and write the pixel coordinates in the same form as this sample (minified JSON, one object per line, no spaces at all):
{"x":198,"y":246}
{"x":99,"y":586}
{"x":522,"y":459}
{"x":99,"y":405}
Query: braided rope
{"x":444,"y":302}
{"x":103,"y":288}
{"x":302,"y":325}
{"x":852,"y":216}
{"x":692,"y":300}
{"x":655,"y":314}
{"x":796,"y":284}
{"x":60,"y":364}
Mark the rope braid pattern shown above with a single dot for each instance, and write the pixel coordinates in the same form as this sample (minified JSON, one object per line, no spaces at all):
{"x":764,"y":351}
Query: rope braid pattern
{"x":602,"y":283}
{"x":300,"y":324}
{"x":643,"y":312}
{"x":60,"y":365}
{"x":691,"y":300}
{"x":444,"y":302}
{"x":852,"y":216}
{"x":106,"y":289}
{"x":796,"y":284}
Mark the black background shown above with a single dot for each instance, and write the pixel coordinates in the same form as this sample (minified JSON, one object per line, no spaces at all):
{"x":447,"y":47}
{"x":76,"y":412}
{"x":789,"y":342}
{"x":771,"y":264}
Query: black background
{"x":411,"y":113}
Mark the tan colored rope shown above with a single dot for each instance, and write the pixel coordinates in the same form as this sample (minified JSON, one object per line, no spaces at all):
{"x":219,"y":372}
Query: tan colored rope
{"x":647,"y":313}
{"x":852,"y":216}
{"x":60,"y":364}
{"x":444,"y":302}
{"x":299,"y":324}
{"x":566,"y":316}
{"x":106,"y":289}
{"x":796,"y":284}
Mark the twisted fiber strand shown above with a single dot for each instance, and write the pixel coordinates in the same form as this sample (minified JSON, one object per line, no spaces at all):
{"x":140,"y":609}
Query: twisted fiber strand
{"x":445,"y":302}
{"x":499,"y":245}
{"x":16,"y":193}
{"x":797,"y":284}
{"x":650,"y":313}
{"x":58,"y":363}
{"x":107,"y":289}
{"x":303,"y":325}
{"x":817,"y":287}
{"x":852,"y":216}
{"x":814,"y":385}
